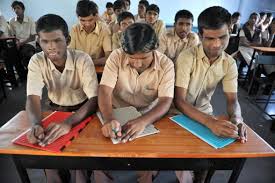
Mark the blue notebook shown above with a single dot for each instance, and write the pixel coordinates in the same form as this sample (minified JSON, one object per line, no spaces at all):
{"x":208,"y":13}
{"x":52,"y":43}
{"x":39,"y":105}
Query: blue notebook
{"x":202,"y":131}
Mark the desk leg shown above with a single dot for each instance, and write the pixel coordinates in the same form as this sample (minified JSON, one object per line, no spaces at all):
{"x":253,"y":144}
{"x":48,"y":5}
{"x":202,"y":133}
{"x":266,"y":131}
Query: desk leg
{"x":21,"y":170}
{"x":236,"y":171}
{"x":209,"y":175}
{"x":249,"y":67}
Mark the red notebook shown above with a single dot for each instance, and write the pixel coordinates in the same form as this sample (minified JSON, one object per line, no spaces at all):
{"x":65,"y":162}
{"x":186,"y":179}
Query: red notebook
{"x":60,"y":143}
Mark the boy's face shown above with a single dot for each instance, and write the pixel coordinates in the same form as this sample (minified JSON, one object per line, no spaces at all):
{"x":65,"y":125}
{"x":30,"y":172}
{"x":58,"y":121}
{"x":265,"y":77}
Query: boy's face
{"x":236,"y":20}
{"x":183,"y":27}
{"x":151,"y":17}
{"x":141,"y":10}
{"x":88,"y":22}
{"x":215,"y":41}
{"x":110,"y":11}
{"x":125,"y":23}
{"x":118,"y":11}
{"x":18,"y":10}
{"x":140,"y":61}
{"x":54,"y":45}
{"x":253,"y":19}
{"x":127,"y":5}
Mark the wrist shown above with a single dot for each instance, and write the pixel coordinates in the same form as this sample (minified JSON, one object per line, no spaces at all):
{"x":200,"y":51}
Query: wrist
{"x":236,"y":120}
{"x":210,"y":120}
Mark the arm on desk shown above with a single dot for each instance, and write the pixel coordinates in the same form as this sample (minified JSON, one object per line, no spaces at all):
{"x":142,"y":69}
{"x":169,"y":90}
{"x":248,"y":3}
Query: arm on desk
{"x":136,"y":126}
{"x":112,"y":127}
{"x":219,"y":127}
{"x":235,"y":116}
{"x":33,"y":109}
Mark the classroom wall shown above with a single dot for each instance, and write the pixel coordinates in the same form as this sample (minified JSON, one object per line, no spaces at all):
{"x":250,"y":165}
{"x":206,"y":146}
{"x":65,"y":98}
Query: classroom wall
{"x":66,"y":8}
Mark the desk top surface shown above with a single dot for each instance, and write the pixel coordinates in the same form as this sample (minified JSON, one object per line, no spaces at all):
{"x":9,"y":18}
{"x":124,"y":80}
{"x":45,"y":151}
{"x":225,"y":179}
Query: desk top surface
{"x":172,"y":142}
{"x":264,"y":49}
{"x":99,"y":69}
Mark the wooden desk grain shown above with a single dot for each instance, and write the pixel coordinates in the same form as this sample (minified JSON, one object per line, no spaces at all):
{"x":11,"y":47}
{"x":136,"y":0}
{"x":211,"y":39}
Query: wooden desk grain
{"x":172,"y":142}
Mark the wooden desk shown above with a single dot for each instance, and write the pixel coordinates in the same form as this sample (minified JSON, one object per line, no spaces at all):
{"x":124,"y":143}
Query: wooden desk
{"x":257,"y":49}
{"x":173,"y":148}
{"x":99,"y":69}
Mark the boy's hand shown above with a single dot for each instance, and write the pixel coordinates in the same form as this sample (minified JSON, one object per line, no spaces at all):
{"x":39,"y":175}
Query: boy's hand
{"x":132,"y":129}
{"x":111,"y":129}
{"x":36,"y":134}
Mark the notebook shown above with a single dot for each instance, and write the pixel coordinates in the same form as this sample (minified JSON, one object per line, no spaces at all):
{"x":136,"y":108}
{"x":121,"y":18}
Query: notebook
{"x":202,"y":131}
{"x":60,"y":143}
{"x":125,"y":114}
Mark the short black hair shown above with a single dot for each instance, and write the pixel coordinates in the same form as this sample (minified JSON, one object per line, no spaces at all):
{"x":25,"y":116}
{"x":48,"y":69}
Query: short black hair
{"x":213,"y":18}
{"x":153,"y":7}
{"x":144,"y":2}
{"x":18,"y":3}
{"x":184,"y":14}
{"x":139,"y":38}
{"x":262,"y":14}
{"x":236,"y":14}
{"x":119,"y":4}
{"x":129,"y":1}
{"x":122,"y":16}
{"x":52,"y":22}
{"x":109,"y":5}
{"x":254,"y":14}
{"x":86,"y":8}
{"x":269,"y":14}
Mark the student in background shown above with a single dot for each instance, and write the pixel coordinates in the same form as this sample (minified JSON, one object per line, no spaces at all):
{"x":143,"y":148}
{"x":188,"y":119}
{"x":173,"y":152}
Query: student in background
{"x":135,"y":75}
{"x":235,"y":23}
{"x":127,"y":4}
{"x":4,"y":27}
{"x":198,"y":72}
{"x":119,"y":7}
{"x":70,"y":78}
{"x":262,"y":17}
{"x":10,"y":55}
{"x":124,"y":20}
{"x":142,"y":6}
{"x":109,"y":16}
{"x":23,"y":28}
{"x":250,"y":35}
{"x":173,"y":41}
{"x":152,"y":15}
{"x":91,"y":35}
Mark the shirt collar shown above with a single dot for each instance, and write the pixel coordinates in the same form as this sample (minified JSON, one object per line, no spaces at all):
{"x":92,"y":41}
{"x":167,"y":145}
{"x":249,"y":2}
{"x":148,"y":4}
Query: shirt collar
{"x":69,"y":64}
{"x":96,"y":30}
{"x":25,"y":19}
{"x":201,"y":55}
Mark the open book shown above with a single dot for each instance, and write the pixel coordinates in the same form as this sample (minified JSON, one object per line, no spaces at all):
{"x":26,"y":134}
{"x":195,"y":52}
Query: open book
{"x":63,"y":141}
{"x":125,"y":114}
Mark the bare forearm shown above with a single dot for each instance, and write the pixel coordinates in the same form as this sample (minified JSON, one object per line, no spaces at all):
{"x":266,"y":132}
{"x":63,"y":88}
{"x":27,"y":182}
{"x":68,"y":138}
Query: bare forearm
{"x":30,"y":39}
{"x":157,"y":112}
{"x":234,"y":111}
{"x":86,"y":110}
{"x":33,"y":109}
{"x":105,"y":103}
{"x":193,"y":113}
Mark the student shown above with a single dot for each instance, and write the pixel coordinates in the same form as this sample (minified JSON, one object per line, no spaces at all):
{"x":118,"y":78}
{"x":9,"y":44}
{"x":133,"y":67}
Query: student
{"x":127,"y":4}
{"x":119,"y":7}
{"x":4,"y":27}
{"x":10,"y":55}
{"x":23,"y":28}
{"x":142,"y":6}
{"x":180,"y":37}
{"x":262,"y":17}
{"x":200,"y":69}
{"x":152,"y":15}
{"x":70,"y":78}
{"x":135,"y":75}
{"x":235,"y":23}
{"x":90,"y":35}
{"x":109,"y":16}
{"x":250,"y":35}
{"x":124,"y":20}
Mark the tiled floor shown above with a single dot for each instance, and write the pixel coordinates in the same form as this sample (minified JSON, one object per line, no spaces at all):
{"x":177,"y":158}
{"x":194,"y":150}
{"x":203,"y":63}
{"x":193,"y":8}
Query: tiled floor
{"x":257,"y":170}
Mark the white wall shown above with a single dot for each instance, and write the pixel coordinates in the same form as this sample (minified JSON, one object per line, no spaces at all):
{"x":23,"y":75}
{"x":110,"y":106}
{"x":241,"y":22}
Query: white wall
{"x":168,"y":8}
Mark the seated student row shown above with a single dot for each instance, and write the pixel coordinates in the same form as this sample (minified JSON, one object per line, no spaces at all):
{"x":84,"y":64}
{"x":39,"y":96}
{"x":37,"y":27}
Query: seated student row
{"x":135,"y":75}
